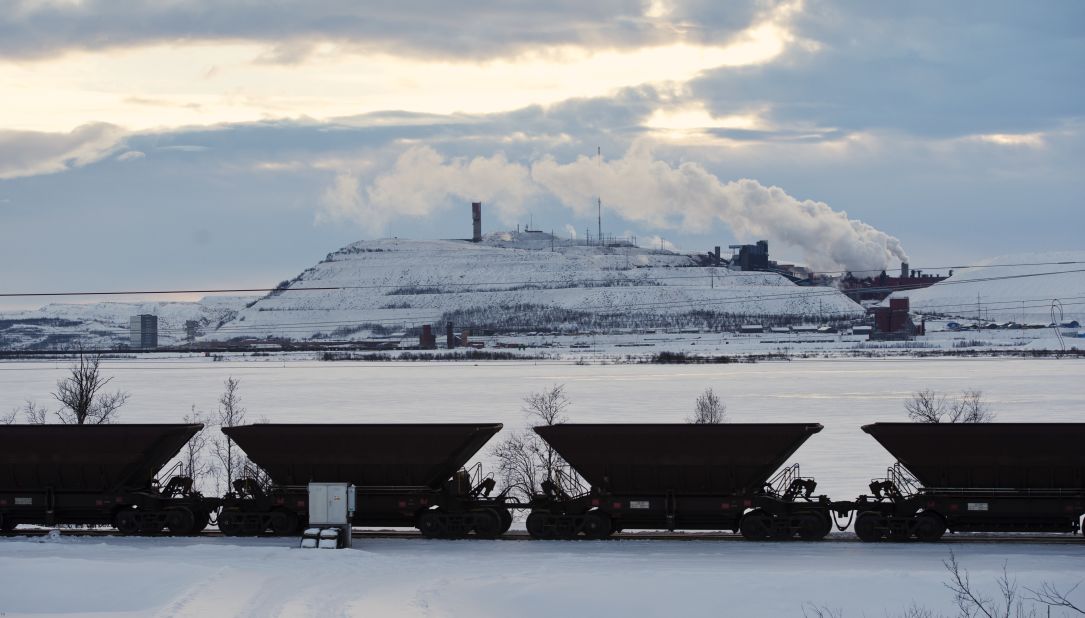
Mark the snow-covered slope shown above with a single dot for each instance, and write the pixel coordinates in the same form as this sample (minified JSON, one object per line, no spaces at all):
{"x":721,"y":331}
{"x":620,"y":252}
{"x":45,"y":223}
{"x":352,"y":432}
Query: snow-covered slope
{"x":106,"y":324}
{"x":1017,"y":288}
{"x":525,"y":280}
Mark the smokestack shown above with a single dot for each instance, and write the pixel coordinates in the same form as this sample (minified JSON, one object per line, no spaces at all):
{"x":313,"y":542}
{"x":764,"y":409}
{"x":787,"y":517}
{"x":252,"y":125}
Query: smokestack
{"x":717,"y":255}
{"x":904,"y":270}
{"x":450,"y":338}
{"x":476,"y":219}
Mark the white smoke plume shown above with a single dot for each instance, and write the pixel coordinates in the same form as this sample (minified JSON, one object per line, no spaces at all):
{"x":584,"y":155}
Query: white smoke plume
{"x":638,"y":187}
{"x":423,"y":181}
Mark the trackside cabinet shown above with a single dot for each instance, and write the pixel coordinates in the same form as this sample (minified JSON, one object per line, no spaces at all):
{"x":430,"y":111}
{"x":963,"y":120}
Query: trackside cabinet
{"x":331,"y":505}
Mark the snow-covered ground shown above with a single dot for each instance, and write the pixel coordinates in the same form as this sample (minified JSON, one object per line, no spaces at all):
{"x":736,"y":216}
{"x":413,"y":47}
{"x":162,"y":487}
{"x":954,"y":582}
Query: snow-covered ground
{"x":393,"y":578}
{"x":396,"y":282}
{"x":93,"y":325}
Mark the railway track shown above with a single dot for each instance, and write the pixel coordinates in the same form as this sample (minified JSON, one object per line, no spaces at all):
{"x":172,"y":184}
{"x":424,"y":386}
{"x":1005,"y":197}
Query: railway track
{"x":628,"y":536}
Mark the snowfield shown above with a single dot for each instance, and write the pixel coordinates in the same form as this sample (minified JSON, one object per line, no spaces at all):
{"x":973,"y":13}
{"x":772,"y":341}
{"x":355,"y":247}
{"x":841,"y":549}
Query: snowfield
{"x":418,"y":578}
{"x":268,"y":577}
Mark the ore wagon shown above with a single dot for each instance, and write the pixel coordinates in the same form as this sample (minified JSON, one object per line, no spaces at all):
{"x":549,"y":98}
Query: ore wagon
{"x":98,"y":475}
{"x":671,"y":476}
{"x":405,"y":475}
{"x":990,"y":477}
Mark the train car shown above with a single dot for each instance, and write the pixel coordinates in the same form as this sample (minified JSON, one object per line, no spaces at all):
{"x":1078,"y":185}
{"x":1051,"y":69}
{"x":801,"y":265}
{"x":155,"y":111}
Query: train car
{"x":680,"y":476}
{"x":983,"y":477}
{"x":405,"y":475}
{"x":98,"y":475}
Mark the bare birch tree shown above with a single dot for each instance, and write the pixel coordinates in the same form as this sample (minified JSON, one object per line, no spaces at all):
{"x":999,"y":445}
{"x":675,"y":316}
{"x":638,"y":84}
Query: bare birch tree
{"x":708,"y":410}
{"x":927,"y":406}
{"x":524,"y":460}
{"x":194,"y":461}
{"x":231,"y":461}
{"x":81,"y":397}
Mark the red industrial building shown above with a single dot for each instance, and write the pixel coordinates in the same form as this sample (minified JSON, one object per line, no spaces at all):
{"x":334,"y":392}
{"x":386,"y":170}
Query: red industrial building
{"x":895,"y":321}
{"x":880,"y":287}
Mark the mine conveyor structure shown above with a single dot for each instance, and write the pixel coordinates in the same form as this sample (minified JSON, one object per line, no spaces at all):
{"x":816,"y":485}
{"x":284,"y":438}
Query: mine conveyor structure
{"x":982,"y":477}
{"x":405,"y":475}
{"x":680,"y":476}
{"x":98,"y":475}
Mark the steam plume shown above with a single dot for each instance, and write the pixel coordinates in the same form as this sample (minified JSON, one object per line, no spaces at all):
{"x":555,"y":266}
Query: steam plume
{"x":639,"y":188}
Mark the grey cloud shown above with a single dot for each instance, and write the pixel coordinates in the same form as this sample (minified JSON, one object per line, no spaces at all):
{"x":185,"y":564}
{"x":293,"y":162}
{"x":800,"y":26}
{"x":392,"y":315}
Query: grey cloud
{"x":402,"y":27}
{"x":928,"y":68}
{"x":32,"y":153}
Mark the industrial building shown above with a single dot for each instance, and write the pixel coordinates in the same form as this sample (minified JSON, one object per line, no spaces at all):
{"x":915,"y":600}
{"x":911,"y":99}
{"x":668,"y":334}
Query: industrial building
{"x":881,"y":286}
{"x":143,"y":330}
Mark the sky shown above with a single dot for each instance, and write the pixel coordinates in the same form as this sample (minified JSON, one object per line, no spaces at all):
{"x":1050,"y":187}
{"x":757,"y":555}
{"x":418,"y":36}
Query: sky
{"x":208,"y":144}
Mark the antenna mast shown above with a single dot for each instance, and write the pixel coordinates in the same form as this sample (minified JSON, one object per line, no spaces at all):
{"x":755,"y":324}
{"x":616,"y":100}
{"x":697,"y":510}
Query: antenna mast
{"x":599,"y":198}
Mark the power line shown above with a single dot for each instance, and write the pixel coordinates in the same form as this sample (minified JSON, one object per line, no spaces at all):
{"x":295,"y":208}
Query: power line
{"x":627,"y":280}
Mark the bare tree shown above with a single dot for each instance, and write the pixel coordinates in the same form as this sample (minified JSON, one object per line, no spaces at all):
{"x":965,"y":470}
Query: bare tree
{"x":1052,"y":597}
{"x":527,"y":464}
{"x":81,"y":397}
{"x":927,"y":406}
{"x":194,"y":462}
{"x":230,"y":459}
{"x":708,"y":410}
{"x":9,"y":419}
{"x":33,"y":413}
{"x":970,"y":408}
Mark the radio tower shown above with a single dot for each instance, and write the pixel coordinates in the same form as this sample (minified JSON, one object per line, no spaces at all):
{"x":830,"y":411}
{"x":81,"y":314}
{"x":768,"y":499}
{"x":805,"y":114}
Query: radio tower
{"x":599,"y":199}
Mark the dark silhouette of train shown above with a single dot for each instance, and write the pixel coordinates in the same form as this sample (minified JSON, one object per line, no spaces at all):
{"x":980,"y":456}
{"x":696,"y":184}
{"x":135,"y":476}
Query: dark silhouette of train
{"x":993,"y":477}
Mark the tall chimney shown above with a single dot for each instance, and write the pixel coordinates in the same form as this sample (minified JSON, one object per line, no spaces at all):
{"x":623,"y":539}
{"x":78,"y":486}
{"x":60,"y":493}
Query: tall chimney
{"x":476,"y":219}
{"x":450,"y":338}
{"x":717,"y":255}
{"x":904,"y":270}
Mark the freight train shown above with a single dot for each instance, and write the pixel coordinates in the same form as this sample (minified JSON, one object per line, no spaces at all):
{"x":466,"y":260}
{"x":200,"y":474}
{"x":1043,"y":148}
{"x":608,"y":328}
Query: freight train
{"x":994,"y":477}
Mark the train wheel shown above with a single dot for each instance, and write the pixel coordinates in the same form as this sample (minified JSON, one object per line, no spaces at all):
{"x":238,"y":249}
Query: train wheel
{"x":596,"y":525}
{"x":126,"y":522}
{"x":756,"y":526}
{"x":867,"y":527}
{"x":811,"y":526}
{"x":7,"y":524}
{"x":231,"y":523}
{"x":930,"y":527}
{"x":536,"y":526}
{"x":283,"y":523}
{"x":506,"y":519}
{"x":180,"y":521}
{"x":431,"y":525}
{"x":487,"y":524}
{"x":202,"y":519}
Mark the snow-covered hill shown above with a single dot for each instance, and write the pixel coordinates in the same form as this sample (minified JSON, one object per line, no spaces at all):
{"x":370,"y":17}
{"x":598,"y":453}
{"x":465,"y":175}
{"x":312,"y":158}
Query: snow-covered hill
{"x":106,"y":324}
{"x":524,"y":281}
{"x":1017,"y":288}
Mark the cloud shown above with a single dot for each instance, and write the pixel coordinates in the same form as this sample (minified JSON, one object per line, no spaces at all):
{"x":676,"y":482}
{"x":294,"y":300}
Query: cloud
{"x":131,"y":155}
{"x":31,"y":153}
{"x":939,"y":69}
{"x":638,"y":187}
{"x":421,"y":28}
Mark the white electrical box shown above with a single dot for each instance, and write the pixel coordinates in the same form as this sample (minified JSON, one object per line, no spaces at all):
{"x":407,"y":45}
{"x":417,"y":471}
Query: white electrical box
{"x":330,"y":504}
